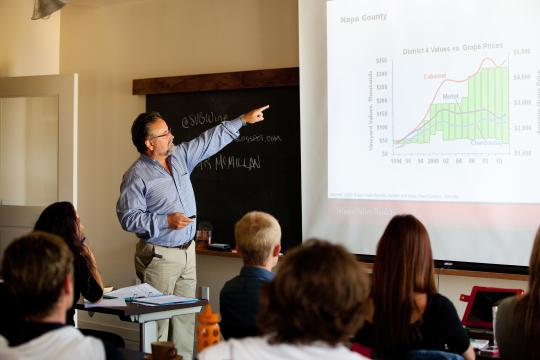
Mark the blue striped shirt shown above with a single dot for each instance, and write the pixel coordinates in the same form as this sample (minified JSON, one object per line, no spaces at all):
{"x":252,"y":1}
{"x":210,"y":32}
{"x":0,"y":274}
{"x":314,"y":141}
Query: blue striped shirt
{"x":148,"y":192}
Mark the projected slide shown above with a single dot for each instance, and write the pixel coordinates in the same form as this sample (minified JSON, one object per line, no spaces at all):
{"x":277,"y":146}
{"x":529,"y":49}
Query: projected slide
{"x":438,"y":104}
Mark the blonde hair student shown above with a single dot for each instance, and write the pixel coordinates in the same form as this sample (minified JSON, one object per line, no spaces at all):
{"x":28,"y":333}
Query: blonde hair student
{"x":256,"y":234}
{"x":258,"y":240}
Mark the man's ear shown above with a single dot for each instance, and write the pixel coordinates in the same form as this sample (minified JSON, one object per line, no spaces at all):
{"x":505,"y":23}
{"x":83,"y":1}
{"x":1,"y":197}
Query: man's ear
{"x":276,"y":250}
{"x":67,"y":286}
{"x":149,"y":145}
{"x":67,"y":291}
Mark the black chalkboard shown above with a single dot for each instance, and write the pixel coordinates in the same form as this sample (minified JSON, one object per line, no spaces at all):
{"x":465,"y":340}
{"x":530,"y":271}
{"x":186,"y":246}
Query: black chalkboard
{"x":258,"y":171}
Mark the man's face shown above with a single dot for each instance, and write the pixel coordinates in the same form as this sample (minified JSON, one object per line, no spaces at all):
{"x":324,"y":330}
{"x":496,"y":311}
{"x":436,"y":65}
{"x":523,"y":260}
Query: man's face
{"x":160,"y":139}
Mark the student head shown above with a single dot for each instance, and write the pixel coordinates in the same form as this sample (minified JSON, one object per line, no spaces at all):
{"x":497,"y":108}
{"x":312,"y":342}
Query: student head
{"x":403,"y":268}
{"x":318,"y":294}
{"x":38,"y":271}
{"x":531,"y":317}
{"x":534,"y":269}
{"x":62,"y":219}
{"x":258,"y":237}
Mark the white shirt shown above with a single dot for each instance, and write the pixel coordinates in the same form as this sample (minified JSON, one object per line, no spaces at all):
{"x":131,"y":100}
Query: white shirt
{"x":60,"y":344}
{"x":258,"y":348}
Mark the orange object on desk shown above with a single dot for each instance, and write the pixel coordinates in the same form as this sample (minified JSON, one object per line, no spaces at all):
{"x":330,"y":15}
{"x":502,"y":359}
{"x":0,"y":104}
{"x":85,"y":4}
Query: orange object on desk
{"x":208,"y":332}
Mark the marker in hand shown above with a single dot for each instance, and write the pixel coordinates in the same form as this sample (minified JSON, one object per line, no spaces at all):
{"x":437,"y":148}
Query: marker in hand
{"x":178,"y":220}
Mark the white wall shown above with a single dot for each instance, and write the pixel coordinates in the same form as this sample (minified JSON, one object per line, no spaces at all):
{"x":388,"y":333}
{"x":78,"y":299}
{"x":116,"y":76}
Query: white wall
{"x":28,"y":47}
{"x":29,"y":151}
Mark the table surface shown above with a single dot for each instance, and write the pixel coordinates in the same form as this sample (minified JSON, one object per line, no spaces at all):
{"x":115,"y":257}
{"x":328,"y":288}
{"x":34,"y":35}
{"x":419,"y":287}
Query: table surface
{"x":139,"y":309}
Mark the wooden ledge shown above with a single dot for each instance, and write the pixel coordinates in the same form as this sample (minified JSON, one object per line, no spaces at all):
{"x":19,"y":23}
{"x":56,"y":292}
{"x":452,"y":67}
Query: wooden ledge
{"x":218,"y":81}
{"x":482,"y":274}
{"x":228,"y":254}
{"x":369,"y":265}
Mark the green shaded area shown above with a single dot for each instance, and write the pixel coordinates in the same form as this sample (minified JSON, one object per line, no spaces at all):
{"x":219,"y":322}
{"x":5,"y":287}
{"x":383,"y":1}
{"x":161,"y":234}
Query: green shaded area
{"x":481,"y":115}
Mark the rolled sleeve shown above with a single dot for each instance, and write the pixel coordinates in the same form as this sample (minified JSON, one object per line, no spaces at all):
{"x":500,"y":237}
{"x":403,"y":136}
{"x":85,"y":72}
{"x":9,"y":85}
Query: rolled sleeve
{"x":132,"y":212}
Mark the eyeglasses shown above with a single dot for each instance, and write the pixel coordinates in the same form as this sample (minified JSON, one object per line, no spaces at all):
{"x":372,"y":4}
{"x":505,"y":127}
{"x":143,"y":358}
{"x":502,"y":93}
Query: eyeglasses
{"x":162,"y":135}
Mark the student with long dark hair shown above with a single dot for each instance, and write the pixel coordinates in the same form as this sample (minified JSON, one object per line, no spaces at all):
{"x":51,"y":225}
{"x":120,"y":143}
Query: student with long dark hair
{"x":518,"y":318}
{"x":62,"y":219}
{"x":406,"y":311}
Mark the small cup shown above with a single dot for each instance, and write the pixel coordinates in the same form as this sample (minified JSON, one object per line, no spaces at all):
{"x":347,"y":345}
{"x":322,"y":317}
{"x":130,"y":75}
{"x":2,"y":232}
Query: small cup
{"x":204,"y":236}
{"x":163,"y":350}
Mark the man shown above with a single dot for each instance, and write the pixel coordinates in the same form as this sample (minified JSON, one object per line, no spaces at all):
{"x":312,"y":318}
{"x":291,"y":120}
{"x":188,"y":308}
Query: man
{"x":38,"y":275}
{"x":258,"y":237}
{"x":157,"y":203}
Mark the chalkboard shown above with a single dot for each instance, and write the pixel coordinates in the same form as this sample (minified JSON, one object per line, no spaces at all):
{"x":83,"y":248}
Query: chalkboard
{"x":258,"y":171}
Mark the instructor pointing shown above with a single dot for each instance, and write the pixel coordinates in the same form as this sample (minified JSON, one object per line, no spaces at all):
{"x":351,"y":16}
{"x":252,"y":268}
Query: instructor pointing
{"x":157,"y":203}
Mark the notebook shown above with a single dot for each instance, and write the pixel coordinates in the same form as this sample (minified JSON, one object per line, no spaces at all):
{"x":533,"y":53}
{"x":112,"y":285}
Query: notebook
{"x":479,"y":312}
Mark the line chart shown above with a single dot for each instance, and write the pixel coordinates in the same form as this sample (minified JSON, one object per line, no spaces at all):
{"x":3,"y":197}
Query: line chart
{"x":478,"y":113}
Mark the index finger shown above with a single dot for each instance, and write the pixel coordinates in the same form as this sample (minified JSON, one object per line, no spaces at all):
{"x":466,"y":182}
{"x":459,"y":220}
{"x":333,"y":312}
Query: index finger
{"x":263,"y":108}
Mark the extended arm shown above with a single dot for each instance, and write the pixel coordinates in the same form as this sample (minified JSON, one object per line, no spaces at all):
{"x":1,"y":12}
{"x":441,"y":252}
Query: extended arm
{"x":469,"y":353}
{"x":213,"y":140}
{"x":87,"y":275}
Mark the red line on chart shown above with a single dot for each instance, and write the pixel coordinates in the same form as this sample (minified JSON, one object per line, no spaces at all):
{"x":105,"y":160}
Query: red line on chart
{"x":424,"y":119}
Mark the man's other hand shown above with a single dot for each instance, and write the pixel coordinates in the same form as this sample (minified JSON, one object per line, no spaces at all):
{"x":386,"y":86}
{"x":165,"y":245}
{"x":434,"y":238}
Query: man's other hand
{"x":178,"y":220}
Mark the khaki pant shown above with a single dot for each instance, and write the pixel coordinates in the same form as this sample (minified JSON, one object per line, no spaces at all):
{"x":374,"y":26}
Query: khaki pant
{"x":173,"y":271}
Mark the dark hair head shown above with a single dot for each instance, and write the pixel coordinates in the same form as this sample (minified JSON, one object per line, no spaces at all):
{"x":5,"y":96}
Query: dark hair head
{"x":61,"y":219}
{"x":34,"y":268}
{"x":534,"y":269}
{"x":527,"y":313}
{"x":139,"y":129}
{"x":403,"y":267}
{"x":319,"y":294}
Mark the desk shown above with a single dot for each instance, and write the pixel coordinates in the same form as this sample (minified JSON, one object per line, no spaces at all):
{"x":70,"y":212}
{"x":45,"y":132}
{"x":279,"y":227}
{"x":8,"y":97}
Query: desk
{"x":132,"y":354}
{"x":147,"y":316}
{"x":480,"y":333}
{"x":483,"y":356}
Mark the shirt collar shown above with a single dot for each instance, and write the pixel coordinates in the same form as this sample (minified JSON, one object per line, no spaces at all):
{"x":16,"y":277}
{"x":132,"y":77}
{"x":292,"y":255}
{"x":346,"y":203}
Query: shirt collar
{"x":258,"y":272}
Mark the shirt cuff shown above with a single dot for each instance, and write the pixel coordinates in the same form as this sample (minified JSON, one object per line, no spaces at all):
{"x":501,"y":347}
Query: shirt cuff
{"x":235,"y":125}
{"x":163,"y":221}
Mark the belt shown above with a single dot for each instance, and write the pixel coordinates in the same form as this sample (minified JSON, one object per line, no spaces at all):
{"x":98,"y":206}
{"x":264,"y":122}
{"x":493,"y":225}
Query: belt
{"x":183,"y":246}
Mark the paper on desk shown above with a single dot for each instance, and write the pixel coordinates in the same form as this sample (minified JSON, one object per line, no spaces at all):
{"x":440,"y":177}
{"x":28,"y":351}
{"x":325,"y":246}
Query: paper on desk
{"x":479,"y":343}
{"x":133,"y":292}
{"x":165,"y":300}
{"x":105,"y":303}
